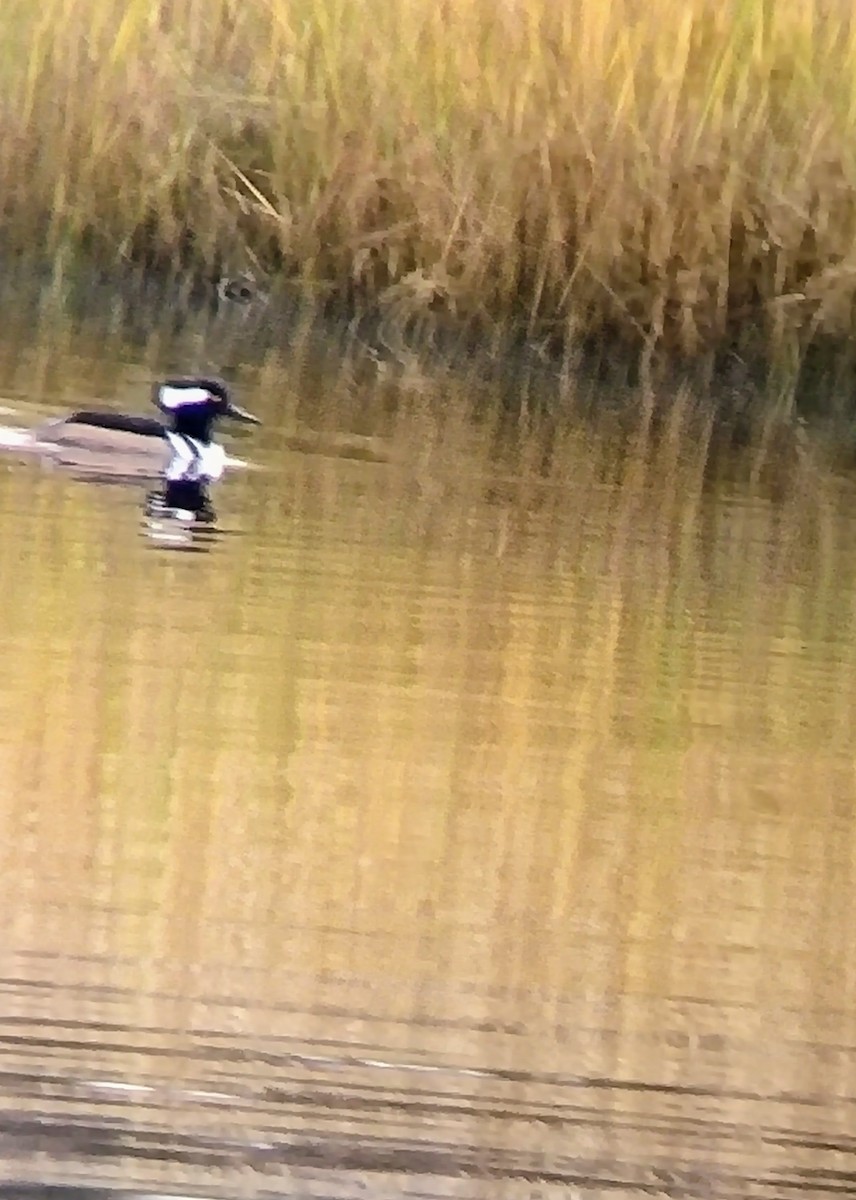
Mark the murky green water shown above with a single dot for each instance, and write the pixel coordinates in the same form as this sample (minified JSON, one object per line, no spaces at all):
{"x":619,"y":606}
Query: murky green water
{"x":442,"y":829}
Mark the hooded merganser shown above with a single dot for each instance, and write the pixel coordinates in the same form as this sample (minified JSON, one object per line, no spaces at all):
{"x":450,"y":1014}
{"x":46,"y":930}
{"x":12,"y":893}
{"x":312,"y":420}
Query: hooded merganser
{"x":194,"y":404}
{"x":196,"y":460}
{"x":105,"y":445}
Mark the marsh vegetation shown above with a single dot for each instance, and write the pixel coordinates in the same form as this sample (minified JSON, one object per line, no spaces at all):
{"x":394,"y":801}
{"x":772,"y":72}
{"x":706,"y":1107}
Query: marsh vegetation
{"x":674,"y":179}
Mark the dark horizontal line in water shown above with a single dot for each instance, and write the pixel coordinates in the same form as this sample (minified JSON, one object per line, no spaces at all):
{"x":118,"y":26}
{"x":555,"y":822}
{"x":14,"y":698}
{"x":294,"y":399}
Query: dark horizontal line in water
{"x":349,"y":1013}
{"x":332,"y":1102}
{"x":386,"y":1156}
{"x":60,"y":1191}
{"x":128,"y":1135}
{"x":343,"y":1155}
{"x":498,"y":1074}
{"x":391,"y":1105}
{"x":724,"y":1010}
{"x":369,"y":1058}
{"x":513,"y":1029}
{"x":240,"y":1098}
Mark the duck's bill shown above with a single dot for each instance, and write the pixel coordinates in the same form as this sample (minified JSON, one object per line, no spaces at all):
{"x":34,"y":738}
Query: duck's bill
{"x":240,"y":414}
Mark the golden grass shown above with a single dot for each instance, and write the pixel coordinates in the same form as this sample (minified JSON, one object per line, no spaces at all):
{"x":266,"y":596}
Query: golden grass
{"x":679,"y":175}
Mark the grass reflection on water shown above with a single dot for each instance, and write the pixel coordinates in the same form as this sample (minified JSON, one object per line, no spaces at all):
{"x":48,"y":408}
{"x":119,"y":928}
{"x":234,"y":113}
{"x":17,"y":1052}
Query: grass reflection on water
{"x":468,"y":764}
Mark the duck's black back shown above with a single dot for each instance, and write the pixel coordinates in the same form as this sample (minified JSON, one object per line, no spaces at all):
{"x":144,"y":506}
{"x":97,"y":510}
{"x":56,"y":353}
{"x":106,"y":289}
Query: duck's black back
{"x":144,"y":426}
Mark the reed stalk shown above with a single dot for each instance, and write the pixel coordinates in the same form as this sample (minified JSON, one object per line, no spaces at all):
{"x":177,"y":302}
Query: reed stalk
{"x":673,"y":176}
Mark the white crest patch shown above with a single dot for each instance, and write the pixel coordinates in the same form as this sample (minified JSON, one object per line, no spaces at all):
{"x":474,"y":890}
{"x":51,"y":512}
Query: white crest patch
{"x":176,"y":397}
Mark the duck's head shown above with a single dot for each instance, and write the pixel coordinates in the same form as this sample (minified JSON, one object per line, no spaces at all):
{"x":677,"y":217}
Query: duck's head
{"x":195,"y":403}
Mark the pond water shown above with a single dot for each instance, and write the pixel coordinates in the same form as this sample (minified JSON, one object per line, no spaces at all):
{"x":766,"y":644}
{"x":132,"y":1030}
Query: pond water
{"x":451,"y":825}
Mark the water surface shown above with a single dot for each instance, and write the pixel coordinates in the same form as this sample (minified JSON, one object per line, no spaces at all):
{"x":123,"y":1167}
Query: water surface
{"x":443,"y":828}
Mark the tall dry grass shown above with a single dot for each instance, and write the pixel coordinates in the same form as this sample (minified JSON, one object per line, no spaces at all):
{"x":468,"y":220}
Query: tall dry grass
{"x":674,"y":174}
